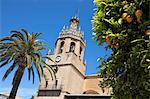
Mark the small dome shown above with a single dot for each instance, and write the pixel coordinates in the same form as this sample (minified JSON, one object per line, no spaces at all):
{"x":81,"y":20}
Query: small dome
{"x":90,"y":92}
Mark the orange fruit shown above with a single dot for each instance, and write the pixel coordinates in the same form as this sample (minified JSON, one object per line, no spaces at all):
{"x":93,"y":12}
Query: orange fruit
{"x":147,"y":32}
{"x":129,"y":19}
{"x":108,"y":40}
{"x":138,"y":13}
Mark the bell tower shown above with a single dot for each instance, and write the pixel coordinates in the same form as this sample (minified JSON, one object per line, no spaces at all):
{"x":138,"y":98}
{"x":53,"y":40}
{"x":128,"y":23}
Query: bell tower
{"x":69,"y":61}
{"x":70,"y":40}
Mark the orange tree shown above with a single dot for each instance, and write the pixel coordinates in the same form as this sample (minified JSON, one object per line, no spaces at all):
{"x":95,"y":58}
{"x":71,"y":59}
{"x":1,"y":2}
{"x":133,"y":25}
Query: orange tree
{"x":125,"y":26}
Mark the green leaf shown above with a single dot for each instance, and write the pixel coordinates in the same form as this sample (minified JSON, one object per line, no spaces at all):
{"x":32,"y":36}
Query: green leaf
{"x":120,"y":20}
{"x":142,"y":59}
{"x":148,"y":60}
{"x":137,"y":40}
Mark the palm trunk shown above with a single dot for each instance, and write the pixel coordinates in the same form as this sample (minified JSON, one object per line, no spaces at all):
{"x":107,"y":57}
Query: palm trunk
{"x":16,"y":84}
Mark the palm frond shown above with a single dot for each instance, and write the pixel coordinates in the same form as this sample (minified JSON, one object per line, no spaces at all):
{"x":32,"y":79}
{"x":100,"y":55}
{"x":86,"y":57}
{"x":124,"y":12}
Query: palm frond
{"x":50,"y":69}
{"x":37,"y":34}
{"x":11,"y":68}
{"x":15,"y":77}
{"x":18,"y":43}
{"x":38,"y":71}
{"x":50,"y":72}
{"x":42,"y":48}
{"x":6,"y":38}
{"x":40,"y":43}
{"x":37,"y":55}
{"x":12,"y":57}
{"x":4,"y":63}
{"x":26,"y":33}
{"x":33,"y":36}
{"x":4,"y":47}
{"x":33,"y":76}
{"x":14,"y":31}
{"x":18,"y":35}
{"x":7,"y":55}
{"x":29,"y":73}
{"x":2,"y":59}
{"x":48,"y":58}
{"x":41,"y":69}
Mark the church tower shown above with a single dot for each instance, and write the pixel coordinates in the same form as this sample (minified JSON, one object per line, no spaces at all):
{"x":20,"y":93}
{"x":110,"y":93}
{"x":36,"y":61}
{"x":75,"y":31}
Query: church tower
{"x":69,"y":60}
{"x":70,"y":41}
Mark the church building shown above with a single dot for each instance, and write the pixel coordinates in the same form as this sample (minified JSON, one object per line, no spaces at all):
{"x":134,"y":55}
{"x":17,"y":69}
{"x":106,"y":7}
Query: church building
{"x":71,"y":81}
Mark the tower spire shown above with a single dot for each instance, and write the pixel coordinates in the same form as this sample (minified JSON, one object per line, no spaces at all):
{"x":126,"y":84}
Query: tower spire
{"x":77,"y":13}
{"x":73,"y":30}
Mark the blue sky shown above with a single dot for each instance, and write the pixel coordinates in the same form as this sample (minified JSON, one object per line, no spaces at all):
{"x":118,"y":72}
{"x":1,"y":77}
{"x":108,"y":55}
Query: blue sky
{"x":47,"y":16}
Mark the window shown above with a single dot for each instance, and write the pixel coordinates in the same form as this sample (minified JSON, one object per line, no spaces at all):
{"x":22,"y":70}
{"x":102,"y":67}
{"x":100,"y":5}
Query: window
{"x":56,"y":83}
{"x":46,"y":84}
{"x":80,"y":50}
{"x":72,"y":47}
{"x":61,"y":47}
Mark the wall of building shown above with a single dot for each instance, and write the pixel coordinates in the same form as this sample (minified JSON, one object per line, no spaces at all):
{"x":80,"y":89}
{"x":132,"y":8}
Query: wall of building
{"x":92,"y":83}
{"x":75,"y":82}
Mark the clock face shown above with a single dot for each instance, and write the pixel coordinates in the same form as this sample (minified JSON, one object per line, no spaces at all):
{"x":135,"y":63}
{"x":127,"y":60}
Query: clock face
{"x":58,"y":58}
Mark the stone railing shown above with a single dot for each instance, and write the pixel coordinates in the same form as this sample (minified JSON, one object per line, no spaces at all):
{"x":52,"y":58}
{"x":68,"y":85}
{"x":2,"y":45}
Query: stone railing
{"x":71,"y":33}
{"x":50,"y":87}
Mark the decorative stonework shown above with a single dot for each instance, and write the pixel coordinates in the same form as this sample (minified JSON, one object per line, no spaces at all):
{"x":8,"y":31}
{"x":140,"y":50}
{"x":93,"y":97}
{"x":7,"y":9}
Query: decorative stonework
{"x":69,"y":31}
{"x":73,"y":30}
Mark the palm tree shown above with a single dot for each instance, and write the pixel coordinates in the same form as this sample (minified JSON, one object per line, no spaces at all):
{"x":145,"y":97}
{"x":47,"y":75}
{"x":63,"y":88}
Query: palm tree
{"x":23,"y":50}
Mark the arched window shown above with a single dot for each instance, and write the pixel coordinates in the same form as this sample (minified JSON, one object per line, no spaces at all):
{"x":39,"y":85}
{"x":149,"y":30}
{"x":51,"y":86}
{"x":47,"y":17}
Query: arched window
{"x":80,"y":50}
{"x":90,"y":92}
{"x":61,"y":46}
{"x":72,"y":47}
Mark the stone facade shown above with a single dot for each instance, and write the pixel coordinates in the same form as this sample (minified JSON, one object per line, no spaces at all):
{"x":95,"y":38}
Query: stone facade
{"x":69,"y":59}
